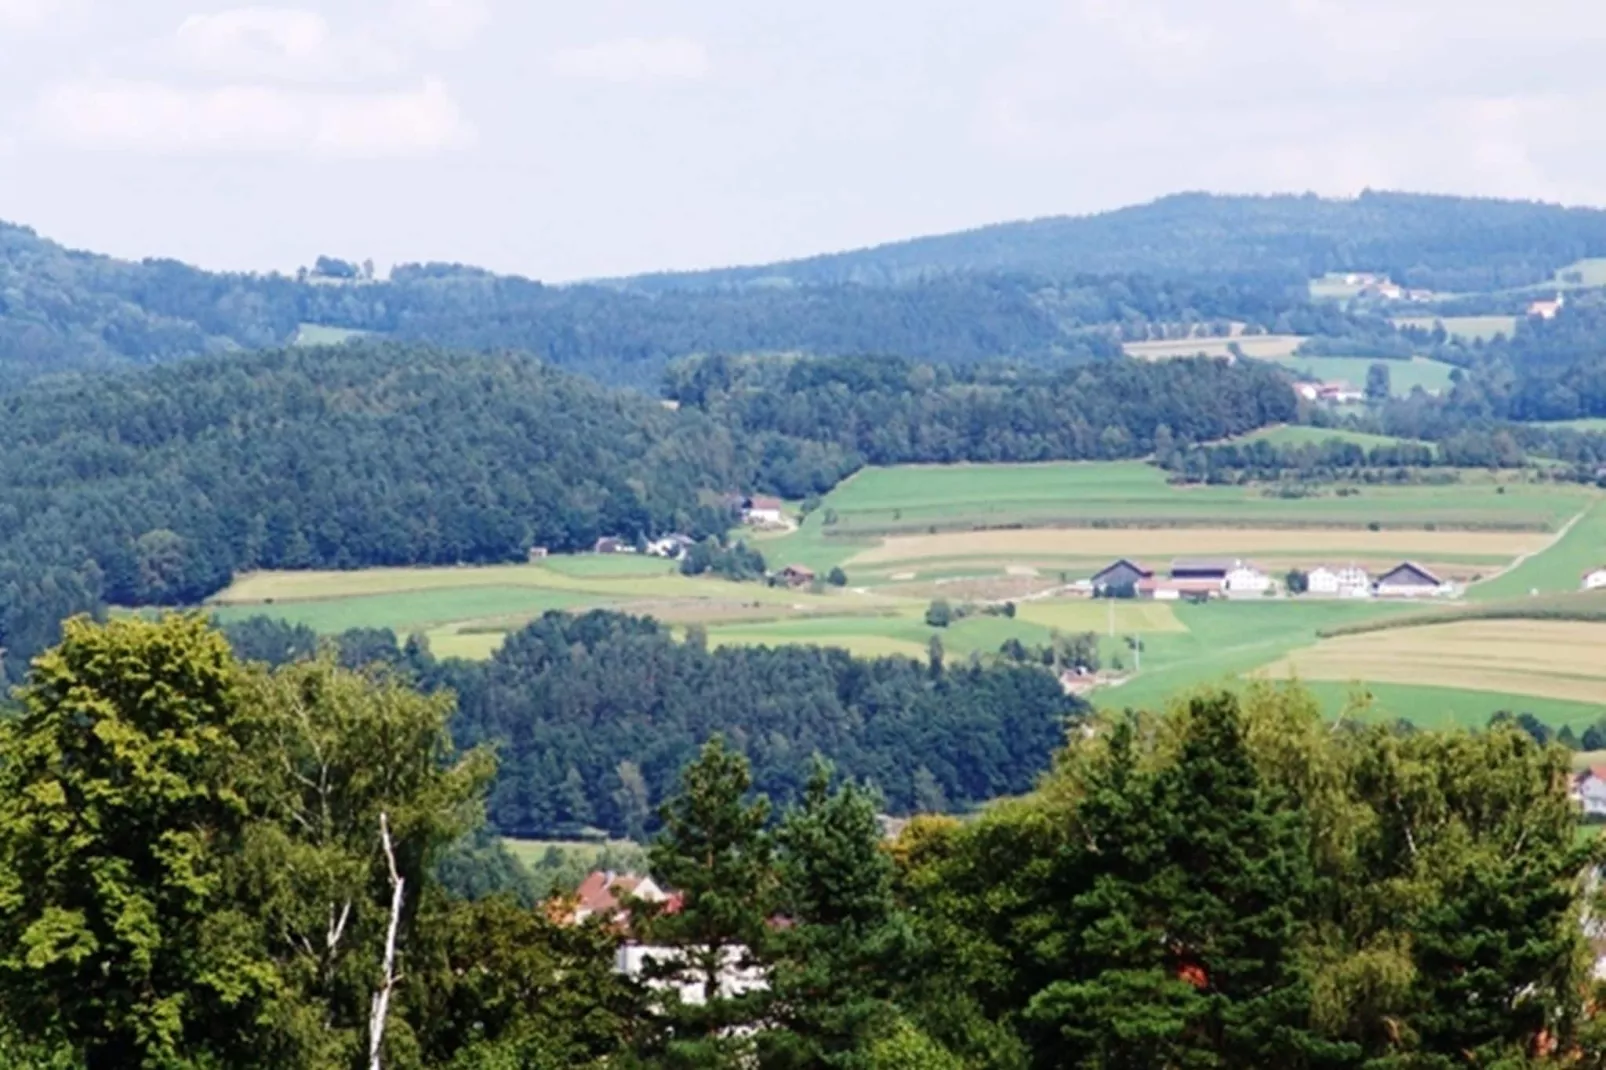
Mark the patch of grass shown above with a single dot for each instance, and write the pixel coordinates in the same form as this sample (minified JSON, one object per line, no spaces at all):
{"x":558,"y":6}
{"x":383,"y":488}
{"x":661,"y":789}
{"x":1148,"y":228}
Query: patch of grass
{"x":316,"y":334}
{"x":1298,"y":435}
{"x":607,"y":565}
{"x":1404,"y":375}
{"x":1466,"y":328}
{"x":1588,"y":606}
{"x":1257,"y":346}
{"x":1449,"y":707}
{"x":1591,"y":424}
{"x":411,"y":611}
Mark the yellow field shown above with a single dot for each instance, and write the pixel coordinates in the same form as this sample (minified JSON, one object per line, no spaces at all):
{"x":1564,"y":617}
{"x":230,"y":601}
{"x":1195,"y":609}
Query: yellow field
{"x":1339,"y":544}
{"x":1259,"y":346}
{"x":1085,"y":615}
{"x":264,"y":587}
{"x":1551,"y":659}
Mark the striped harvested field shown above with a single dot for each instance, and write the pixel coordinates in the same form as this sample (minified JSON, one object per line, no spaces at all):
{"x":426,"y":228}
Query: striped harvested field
{"x":1551,"y":659}
{"x":1317,"y":543}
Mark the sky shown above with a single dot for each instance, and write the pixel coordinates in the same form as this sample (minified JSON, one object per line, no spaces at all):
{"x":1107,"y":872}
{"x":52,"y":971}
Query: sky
{"x":606,"y":137}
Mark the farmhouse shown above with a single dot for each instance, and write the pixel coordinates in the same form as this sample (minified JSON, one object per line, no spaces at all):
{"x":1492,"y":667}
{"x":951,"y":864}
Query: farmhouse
{"x":1547,"y":310}
{"x":1410,"y":581}
{"x":1340,"y":393}
{"x":1308,"y":391}
{"x":1588,"y":790}
{"x":1595,"y":579}
{"x":795,"y":576}
{"x":762,"y":510}
{"x":538,"y":553}
{"x":1119,"y":575}
{"x":610,"y":544}
{"x":603,"y":893}
{"x":1349,"y":581}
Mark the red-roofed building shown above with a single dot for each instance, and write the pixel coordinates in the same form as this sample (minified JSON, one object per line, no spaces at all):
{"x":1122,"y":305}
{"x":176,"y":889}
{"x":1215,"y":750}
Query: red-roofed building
{"x":604,"y":893}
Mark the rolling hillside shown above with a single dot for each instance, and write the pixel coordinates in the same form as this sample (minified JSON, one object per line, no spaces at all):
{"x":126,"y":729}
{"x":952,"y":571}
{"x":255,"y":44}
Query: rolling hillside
{"x":1448,"y":243}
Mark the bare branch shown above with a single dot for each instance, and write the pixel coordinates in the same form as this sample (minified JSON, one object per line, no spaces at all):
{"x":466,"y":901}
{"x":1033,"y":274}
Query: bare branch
{"x":381,"y":1002}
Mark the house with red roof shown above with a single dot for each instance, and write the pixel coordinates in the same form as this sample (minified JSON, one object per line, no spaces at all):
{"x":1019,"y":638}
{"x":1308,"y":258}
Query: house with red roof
{"x":604,"y":894}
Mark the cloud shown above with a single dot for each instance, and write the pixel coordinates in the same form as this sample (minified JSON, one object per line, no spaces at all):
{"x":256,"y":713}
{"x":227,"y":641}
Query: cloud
{"x":159,"y":118}
{"x":444,"y":23}
{"x":26,"y":13}
{"x":281,"y":43}
{"x":634,"y":59}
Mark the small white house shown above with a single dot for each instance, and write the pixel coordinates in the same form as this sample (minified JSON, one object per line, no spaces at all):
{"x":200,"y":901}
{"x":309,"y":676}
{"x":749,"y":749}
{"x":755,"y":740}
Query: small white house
{"x":763,"y":512}
{"x":1595,"y":579}
{"x":735,"y":975}
{"x":1588,"y":790}
{"x":1351,"y":581}
{"x":1244,"y":579}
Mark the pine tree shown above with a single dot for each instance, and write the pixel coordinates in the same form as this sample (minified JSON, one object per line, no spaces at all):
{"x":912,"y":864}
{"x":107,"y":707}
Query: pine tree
{"x":716,"y":855}
{"x":838,"y":955}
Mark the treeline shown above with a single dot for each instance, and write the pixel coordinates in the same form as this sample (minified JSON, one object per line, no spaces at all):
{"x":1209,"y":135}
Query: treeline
{"x":811,"y":422}
{"x":1455,"y":244}
{"x":157,"y":487}
{"x":68,"y":311}
{"x":1233,"y":883}
{"x":1336,"y":458}
{"x":593,"y":716}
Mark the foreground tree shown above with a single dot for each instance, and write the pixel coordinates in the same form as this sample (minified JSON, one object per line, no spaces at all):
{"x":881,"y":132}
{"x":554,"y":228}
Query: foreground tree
{"x":716,"y":853}
{"x":838,"y":958}
{"x":124,"y":795}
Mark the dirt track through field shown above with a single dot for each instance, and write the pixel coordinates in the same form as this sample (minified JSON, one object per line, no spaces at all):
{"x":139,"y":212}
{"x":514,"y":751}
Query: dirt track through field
{"x":1338,"y":544}
{"x":1553,"y":659}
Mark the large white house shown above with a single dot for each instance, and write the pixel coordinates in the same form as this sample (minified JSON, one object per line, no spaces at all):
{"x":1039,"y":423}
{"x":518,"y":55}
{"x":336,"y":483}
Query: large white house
{"x":1349,"y":581}
{"x":1595,"y":579}
{"x":1244,"y":579}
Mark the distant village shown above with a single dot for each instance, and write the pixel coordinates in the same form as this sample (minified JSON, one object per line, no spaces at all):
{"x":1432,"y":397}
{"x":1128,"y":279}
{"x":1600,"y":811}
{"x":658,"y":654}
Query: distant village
{"x":1200,"y":579}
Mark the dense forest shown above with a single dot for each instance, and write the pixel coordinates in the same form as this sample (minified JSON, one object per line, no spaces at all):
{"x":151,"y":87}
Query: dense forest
{"x":814,"y":421}
{"x":592,"y":717}
{"x":282,"y":869}
{"x":158,"y":486}
{"x":1438,"y":242}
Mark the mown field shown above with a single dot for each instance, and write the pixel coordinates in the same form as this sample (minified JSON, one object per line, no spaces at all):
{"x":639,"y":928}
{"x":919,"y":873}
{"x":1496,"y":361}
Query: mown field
{"x":1404,"y":375}
{"x":979,"y":534}
{"x":1257,"y":346}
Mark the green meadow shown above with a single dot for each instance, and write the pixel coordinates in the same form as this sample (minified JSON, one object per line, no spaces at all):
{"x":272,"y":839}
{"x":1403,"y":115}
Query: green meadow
{"x":1404,"y":375}
{"x":468,"y":612}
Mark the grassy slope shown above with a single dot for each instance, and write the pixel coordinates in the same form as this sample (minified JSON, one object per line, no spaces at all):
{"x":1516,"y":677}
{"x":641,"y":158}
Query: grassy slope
{"x":1558,"y":569}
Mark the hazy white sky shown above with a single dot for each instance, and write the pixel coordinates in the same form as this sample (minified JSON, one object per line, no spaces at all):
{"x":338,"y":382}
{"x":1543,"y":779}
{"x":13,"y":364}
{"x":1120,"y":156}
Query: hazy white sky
{"x":595,"y":137}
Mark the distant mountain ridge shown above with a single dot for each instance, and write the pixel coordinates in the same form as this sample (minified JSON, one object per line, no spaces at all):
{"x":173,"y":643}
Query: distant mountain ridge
{"x":1046,"y":292}
{"x":1444,"y":242}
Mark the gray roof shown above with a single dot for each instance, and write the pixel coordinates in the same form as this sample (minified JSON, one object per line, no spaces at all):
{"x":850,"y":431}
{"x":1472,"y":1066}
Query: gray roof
{"x":1405,"y":570}
{"x":1205,"y":564}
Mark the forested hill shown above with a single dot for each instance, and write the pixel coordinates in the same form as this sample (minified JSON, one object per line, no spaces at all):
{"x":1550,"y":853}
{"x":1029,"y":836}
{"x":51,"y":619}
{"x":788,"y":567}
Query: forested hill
{"x":1444,"y":243}
{"x":1053,"y":292}
{"x":67,"y":311}
{"x":157,"y":486}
